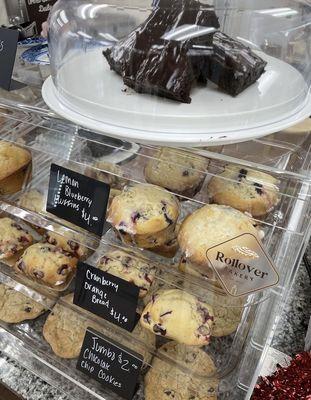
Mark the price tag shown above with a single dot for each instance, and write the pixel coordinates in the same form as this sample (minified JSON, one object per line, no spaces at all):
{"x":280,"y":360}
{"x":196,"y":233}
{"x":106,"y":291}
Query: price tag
{"x":78,"y":199}
{"x":113,"y":365}
{"x":38,"y":11}
{"x":107,"y":296}
{"x":8,"y":47}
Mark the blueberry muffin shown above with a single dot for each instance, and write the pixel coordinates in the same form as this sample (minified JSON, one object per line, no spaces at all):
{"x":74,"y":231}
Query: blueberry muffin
{"x":15,"y":168}
{"x":130,"y":268}
{"x":47,"y":264}
{"x":15,"y":307}
{"x":178,"y":171}
{"x":190,"y":375}
{"x":106,"y":172}
{"x":170,"y":247}
{"x":65,"y":329}
{"x":13,"y":238}
{"x":210,"y":226}
{"x":178,"y":315}
{"x":144,"y":215}
{"x":245,"y":189}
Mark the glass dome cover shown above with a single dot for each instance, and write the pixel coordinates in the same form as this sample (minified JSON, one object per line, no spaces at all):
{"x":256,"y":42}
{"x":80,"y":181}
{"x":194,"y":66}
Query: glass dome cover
{"x":181,"y":72}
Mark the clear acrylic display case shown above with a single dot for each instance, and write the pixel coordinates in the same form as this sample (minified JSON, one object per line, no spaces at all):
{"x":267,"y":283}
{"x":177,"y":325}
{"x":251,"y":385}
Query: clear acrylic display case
{"x":102,"y":141}
{"x":284,"y":229}
{"x":180,"y":72}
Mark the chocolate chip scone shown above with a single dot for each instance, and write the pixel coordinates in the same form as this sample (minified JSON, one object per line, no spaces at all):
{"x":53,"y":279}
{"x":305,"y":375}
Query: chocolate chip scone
{"x":210,"y":226}
{"x":176,"y":170}
{"x":65,"y":329}
{"x":130,"y":268}
{"x":13,"y":238}
{"x":47,"y":264}
{"x":144,"y":215}
{"x":245,"y":189}
{"x":176,"y":314}
{"x":191,"y":375}
{"x":15,"y":307}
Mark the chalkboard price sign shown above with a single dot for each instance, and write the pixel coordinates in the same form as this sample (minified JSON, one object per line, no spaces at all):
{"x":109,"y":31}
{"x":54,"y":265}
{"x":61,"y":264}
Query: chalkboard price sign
{"x":8,"y":47}
{"x":107,"y":296}
{"x":78,"y":199}
{"x":113,"y":365}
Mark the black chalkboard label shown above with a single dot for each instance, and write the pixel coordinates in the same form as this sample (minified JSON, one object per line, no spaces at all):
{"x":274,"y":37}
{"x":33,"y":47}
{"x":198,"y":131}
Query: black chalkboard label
{"x":78,"y":199}
{"x":38,"y":11}
{"x":113,"y":365}
{"x":106,"y":295}
{"x":8,"y":47}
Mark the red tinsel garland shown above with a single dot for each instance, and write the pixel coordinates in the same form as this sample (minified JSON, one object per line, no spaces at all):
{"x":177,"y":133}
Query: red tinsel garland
{"x":289,"y":383}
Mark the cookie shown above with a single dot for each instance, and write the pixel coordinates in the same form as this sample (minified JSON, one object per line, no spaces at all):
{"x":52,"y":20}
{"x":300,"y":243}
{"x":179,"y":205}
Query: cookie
{"x":15,"y":168}
{"x":178,"y":315}
{"x":13,"y":238}
{"x":190,"y":375}
{"x":245,"y":189}
{"x":179,"y":171}
{"x":210,"y":226}
{"x":65,"y":329}
{"x":15,"y":307}
{"x":130,"y":268}
{"x":144,"y":215}
{"x":47,"y":264}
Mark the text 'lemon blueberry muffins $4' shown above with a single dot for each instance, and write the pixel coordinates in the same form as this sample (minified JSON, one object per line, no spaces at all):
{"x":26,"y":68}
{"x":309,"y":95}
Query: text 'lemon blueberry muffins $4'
{"x":65,"y":329}
{"x":47,"y":264}
{"x":178,"y":315}
{"x":129,"y":267}
{"x":210,"y":226}
{"x":144,"y":215}
{"x":176,"y":170}
{"x":245,"y":189}
{"x":190,"y":375}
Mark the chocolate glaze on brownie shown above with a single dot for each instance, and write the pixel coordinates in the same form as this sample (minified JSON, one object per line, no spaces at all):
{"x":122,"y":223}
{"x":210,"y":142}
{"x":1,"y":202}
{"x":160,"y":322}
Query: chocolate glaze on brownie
{"x":150,"y":61}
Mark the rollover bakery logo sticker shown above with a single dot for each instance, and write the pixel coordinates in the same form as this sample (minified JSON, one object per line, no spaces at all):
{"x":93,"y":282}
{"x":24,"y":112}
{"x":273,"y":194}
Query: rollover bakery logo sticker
{"x":242,"y":265}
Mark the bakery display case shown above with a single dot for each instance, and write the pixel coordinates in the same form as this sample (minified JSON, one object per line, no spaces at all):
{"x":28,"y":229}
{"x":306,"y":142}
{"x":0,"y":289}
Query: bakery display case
{"x":191,"y":73}
{"x":152,"y":223}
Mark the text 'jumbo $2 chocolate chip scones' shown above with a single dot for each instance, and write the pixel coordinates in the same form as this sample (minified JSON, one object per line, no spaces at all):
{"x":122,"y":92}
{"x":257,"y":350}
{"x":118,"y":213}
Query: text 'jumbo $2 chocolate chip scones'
{"x":144,"y":215}
{"x":15,"y":307}
{"x":176,"y":170}
{"x":13,"y":238}
{"x":178,"y":315}
{"x":191,"y":375}
{"x":47,"y":264}
{"x":129,"y":267}
{"x":245,"y":189}
{"x":210,"y":226}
